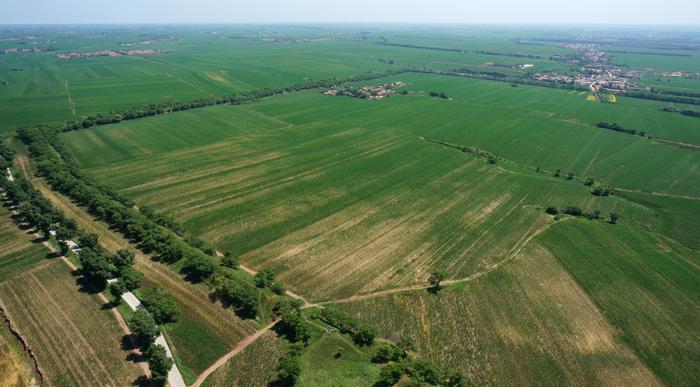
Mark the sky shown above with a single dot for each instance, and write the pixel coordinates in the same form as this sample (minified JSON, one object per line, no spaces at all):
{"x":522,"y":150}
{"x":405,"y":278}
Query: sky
{"x":666,"y":12}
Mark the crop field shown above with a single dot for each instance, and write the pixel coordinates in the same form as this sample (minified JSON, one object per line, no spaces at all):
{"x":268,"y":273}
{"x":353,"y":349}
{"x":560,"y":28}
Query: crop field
{"x":253,"y":367}
{"x":259,"y":188}
{"x":204,"y":330}
{"x":74,"y":340}
{"x":18,"y":253}
{"x":354,"y":200}
{"x":532,"y":309}
{"x":647,"y":285}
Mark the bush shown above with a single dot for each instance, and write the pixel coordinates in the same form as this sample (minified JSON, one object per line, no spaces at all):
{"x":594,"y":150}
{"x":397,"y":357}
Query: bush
{"x":589,"y":181}
{"x":386,"y":353}
{"x":390,"y":374}
{"x":573,"y":211}
{"x":552,"y":210}
{"x":361,"y":332}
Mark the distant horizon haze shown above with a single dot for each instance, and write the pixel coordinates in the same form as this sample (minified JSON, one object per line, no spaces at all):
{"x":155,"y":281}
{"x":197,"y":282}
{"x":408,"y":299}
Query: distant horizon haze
{"x":512,"y":12}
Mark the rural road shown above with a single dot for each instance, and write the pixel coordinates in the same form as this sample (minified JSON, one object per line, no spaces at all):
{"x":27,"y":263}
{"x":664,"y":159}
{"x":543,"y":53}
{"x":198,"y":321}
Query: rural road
{"x":235,"y":351}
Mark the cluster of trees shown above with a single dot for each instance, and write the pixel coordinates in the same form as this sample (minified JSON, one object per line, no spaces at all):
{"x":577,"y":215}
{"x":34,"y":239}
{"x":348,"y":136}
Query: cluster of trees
{"x":98,"y":266}
{"x":266,"y":279}
{"x":239,"y":294}
{"x":399,"y":362}
{"x":618,"y":128}
{"x":144,"y":331}
{"x":685,"y":112}
{"x":292,"y":327}
{"x":421,"y":372}
{"x":602,"y":191}
{"x":510,"y":54}
{"x":7,"y":154}
{"x":576,"y":211}
{"x":361,"y":332}
{"x":437,"y":94}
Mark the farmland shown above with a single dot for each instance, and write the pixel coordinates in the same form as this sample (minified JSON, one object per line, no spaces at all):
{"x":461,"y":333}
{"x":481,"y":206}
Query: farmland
{"x":217,"y":183}
{"x":564,"y":220}
{"x":51,"y":313}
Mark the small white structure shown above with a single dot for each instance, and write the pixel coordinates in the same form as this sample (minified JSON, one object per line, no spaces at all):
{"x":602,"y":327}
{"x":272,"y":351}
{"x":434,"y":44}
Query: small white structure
{"x":73,"y":246}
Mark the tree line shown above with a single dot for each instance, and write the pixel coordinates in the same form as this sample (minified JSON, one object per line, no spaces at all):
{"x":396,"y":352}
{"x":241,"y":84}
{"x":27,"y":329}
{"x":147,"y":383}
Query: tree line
{"x":151,"y":232}
{"x":685,"y":112}
{"x":233,"y":99}
{"x":96,"y":265}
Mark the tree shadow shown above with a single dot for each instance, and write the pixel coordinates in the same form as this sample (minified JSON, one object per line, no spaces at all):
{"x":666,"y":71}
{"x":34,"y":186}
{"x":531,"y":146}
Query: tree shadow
{"x":143,"y":381}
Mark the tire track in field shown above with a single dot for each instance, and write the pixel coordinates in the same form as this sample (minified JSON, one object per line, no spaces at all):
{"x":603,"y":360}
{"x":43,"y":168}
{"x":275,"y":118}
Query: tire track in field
{"x":71,"y":105}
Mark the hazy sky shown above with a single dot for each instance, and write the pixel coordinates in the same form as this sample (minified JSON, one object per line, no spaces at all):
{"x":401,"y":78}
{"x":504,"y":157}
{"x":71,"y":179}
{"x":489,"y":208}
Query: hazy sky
{"x":408,"y":11}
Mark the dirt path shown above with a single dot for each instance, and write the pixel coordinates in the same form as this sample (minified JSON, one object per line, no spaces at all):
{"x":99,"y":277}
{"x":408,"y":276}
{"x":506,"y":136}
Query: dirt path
{"x":236,"y":350}
{"x":71,"y":105}
{"x":23,"y":162}
{"x":658,"y":194}
{"x":472,"y":277}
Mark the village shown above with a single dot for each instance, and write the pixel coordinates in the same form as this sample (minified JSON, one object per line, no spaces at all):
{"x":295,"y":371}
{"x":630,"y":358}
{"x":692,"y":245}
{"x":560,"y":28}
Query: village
{"x":369,"y":92}
{"x":110,"y":53}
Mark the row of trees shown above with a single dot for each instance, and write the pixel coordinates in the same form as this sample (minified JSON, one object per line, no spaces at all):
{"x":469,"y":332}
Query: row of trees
{"x":145,"y":331}
{"x":685,"y":112}
{"x":361,"y":332}
{"x":619,"y":128}
{"x":578,"y":212}
{"x":96,"y":265}
{"x":233,"y":99}
{"x":158,"y":238}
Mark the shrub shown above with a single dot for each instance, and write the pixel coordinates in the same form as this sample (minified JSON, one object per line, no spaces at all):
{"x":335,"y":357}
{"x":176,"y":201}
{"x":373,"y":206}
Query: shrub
{"x":552,"y":210}
{"x":574,"y":211}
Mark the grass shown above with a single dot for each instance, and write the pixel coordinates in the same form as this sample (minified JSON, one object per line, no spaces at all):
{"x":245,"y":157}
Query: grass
{"x":332,"y":360}
{"x":527,"y":323}
{"x":16,"y":368}
{"x":74,"y":339}
{"x":647,"y":286}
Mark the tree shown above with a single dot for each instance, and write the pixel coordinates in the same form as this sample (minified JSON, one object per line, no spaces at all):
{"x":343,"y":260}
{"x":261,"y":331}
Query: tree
{"x":230,"y":260}
{"x":199,"y":267}
{"x":160,"y":305}
{"x":574,"y":211}
{"x":159,"y":363}
{"x":116,"y":289}
{"x":131,"y":277}
{"x":390,"y":374}
{"x":95,"y":266}
{"x":292,"y":327}
{"x":386,"y":353}
{"x":552,"y":210}
{"x":87,"y":240}
{"x":143,"y":328}
{"x":436,"y":277}
{"x":288,"y":370}
{"x":264,"y":278}
{"x":614,"y":217}
{"x":122,"y":259}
